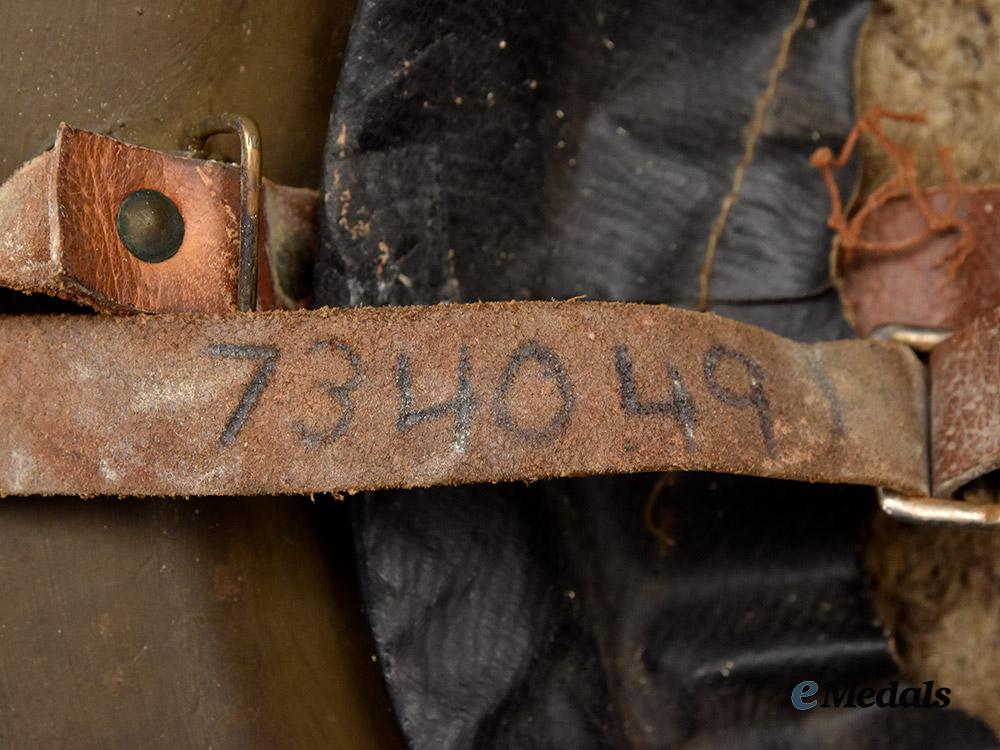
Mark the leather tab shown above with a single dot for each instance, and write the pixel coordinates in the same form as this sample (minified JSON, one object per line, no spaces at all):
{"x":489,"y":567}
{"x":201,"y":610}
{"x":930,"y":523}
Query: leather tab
{"x":907,"y":256}
{"x":965,"y":405}
{"x":920,"y":286}
{"x":58,"y":234}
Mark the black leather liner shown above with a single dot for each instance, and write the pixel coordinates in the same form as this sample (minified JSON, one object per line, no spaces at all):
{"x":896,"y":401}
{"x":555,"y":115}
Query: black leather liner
{"x":551,"y":617}
{"x":497,"y":150}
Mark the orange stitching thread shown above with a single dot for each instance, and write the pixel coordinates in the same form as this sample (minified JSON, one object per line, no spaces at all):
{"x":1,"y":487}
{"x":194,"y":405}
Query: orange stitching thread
{"x":902,"y":182}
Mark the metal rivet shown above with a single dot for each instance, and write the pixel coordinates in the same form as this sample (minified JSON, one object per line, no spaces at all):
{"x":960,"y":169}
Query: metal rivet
{"x":150,"y":225}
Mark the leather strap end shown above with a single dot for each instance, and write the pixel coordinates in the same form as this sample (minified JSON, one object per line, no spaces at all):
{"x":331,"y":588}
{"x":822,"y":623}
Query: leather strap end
{"x":965,"y":405}
{"x":58,"y":232}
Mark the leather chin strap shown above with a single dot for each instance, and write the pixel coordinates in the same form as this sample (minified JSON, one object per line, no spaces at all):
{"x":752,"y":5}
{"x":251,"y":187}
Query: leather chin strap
{"x":368,"y":398}
{"x":345,"y":400}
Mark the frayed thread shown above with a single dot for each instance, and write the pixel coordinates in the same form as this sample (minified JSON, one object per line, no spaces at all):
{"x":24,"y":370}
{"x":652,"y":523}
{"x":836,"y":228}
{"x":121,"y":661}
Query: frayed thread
{"x":903,"y":182}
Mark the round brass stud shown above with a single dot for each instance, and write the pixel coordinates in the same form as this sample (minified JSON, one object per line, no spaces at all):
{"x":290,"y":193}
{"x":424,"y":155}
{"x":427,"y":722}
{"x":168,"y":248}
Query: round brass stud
{"x":150,"y":225}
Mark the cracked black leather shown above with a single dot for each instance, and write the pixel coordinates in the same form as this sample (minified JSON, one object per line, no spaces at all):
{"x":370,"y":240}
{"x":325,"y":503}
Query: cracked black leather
{"x":497,"y":150}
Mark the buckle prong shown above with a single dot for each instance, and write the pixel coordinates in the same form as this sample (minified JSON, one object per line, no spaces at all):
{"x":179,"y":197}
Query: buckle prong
{"x":935,"y":511}
{"x":250,"y":189}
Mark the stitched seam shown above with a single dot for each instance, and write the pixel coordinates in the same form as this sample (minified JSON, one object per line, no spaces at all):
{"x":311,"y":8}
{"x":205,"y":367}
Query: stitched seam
{"x":753,"y":135}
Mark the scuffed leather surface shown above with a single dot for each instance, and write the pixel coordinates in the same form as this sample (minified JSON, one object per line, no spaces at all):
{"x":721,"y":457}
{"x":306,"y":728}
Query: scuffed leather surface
{"x":58,"y":232}
{"x":92,"y":175}
{"x":920,"y":286}
{"x":25,"y":255}
{"x":965,"y":418}
{"x":498,"y":150}
{"x":348,"y":400}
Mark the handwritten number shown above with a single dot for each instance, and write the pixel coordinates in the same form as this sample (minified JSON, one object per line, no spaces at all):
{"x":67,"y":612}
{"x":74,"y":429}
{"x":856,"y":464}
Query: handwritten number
{"x":462,"y":405}
{"x":268,"y":355}
{"x":339,"y":392}
{"x":680,"y":405}
{"x":754,"y":398}
{"x":552,"y":369}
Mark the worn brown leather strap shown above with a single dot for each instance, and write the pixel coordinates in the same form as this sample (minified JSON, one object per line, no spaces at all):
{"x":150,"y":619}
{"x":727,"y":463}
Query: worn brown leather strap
{"x":345,"y":400}
{"x":358,"y":399}
{"x":58,"y":234}
{"x":965,"y":404}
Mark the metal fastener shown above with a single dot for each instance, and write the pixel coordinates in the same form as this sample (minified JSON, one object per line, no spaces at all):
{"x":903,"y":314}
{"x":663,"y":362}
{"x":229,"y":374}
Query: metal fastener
{"x":150,"y":225}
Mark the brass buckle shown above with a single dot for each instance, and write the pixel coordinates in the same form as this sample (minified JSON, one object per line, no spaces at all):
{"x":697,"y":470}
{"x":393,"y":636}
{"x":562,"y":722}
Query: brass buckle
{"x":250,"y":188}
{"x":934,"y":511}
